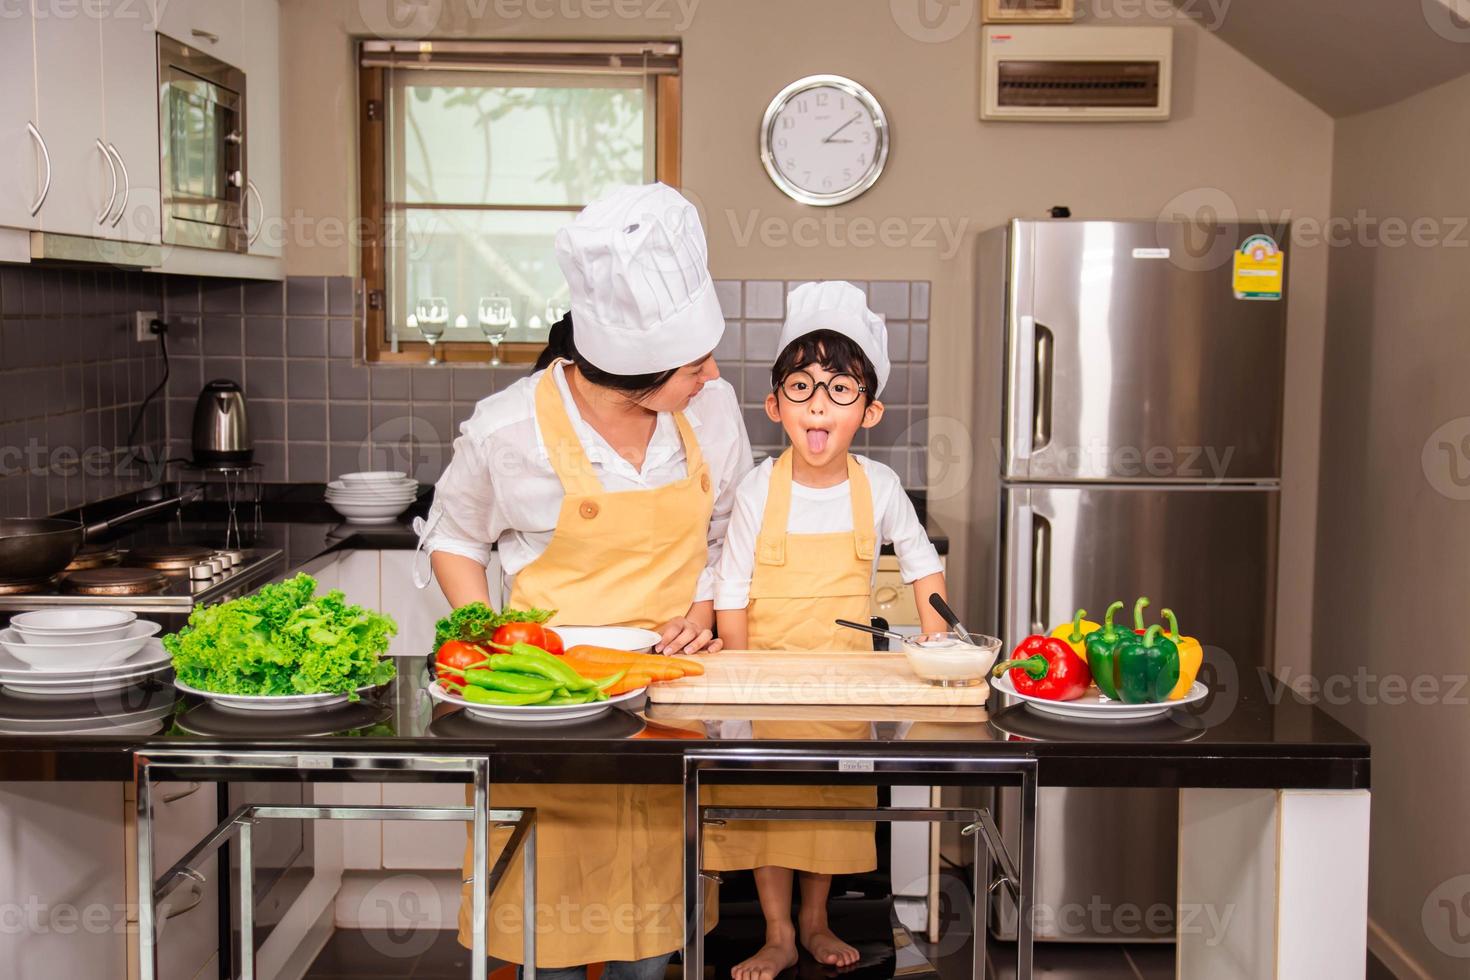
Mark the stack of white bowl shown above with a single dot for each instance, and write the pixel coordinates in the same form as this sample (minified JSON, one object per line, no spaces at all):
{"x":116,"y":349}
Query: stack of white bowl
{"x":75,"y":639}
{"x":373,"y":497}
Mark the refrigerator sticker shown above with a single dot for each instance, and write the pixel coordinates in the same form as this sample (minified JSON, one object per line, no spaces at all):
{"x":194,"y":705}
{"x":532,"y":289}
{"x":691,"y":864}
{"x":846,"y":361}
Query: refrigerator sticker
{"x":1150,"y":253}
{"x":1260,"y":268}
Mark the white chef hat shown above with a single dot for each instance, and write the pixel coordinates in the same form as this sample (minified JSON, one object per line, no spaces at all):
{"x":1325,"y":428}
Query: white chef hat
{"x":637,"y":266}
{"x":842,"y":308}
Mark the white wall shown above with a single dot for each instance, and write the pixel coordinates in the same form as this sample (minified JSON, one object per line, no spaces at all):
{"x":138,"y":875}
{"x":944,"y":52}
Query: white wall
{"x":1394,"y":511}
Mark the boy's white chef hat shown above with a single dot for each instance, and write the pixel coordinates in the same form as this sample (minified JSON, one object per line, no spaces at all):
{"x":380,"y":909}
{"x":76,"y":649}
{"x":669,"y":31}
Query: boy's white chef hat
{"x":842,"y":308}
{"x":637,"y":266}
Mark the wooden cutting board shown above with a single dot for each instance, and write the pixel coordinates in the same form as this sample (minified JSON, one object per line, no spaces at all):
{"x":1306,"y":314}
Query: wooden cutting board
{"x":773,"y":677}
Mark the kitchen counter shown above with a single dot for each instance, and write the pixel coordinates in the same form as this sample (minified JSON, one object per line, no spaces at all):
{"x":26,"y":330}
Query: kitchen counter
{"x":296,"y":519}
{"x":1249,"y":736}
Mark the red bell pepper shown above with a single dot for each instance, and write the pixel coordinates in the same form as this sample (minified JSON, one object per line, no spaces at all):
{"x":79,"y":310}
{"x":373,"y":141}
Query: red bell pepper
{"x":1046,"y":667}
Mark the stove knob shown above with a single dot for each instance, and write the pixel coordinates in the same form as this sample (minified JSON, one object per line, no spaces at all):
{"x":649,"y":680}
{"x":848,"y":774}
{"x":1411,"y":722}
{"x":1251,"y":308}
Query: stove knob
{"x":226,"y":561}
{"x":215,"y":567}
{"x":200,"y":573}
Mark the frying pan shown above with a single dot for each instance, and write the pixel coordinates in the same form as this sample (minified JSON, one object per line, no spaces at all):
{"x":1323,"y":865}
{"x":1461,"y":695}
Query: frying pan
{"x":39,"y":547}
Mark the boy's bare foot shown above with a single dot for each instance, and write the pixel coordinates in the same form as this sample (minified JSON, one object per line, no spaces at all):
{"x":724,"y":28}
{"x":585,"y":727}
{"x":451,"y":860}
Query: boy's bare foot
{"x":825,"y":947}
{"x":778,"y":954}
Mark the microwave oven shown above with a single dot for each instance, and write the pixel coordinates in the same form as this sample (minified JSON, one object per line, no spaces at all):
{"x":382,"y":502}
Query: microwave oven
{"x":201,"y":122}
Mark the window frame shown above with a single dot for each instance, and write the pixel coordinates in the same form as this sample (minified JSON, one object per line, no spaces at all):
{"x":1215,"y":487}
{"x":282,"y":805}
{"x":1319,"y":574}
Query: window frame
{"x":373,"y":153}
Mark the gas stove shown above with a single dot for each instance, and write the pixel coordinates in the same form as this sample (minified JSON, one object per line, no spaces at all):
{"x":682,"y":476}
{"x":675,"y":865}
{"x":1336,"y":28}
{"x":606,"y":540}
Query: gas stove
{"x":147,"y":578}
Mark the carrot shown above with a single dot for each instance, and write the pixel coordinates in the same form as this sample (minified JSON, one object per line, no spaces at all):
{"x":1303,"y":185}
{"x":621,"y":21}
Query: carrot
{"x":630,"y":682}
{"x":592,"y":669}
{"x":603,"y":655}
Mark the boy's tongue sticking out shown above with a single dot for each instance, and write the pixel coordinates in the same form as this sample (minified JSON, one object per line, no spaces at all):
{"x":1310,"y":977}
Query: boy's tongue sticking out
{"x":816,"y":441}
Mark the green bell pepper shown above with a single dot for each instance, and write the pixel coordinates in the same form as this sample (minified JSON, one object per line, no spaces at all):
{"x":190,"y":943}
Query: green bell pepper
{"x":1101,"y":646}
{"x":1147,"y":667}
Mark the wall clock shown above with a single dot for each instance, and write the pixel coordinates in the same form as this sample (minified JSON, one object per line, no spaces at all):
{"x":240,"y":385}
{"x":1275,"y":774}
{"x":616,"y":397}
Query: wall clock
{"x":824,"y":140}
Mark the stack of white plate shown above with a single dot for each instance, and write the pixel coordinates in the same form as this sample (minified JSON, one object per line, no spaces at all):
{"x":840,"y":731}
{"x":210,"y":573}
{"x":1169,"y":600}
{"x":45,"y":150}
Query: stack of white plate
{"x":375,"y":497}
{"x":73,"y":651}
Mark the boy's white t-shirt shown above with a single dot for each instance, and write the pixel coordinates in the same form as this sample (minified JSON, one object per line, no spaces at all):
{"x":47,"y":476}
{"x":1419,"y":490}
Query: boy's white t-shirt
{"x":821,"y":511}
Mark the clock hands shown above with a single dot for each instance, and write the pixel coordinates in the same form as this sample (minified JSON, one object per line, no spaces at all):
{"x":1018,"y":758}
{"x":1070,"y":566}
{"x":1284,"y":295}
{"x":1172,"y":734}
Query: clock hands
{"x":855,"y":117}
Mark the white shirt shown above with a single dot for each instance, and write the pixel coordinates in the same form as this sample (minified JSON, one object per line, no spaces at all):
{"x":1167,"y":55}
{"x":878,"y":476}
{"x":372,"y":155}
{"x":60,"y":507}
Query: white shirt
{"x":824,"y":510}
{"x":500,"y":491}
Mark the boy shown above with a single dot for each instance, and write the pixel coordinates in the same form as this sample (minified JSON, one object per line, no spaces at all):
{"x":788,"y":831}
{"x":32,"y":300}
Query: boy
{"x":800,"y":552}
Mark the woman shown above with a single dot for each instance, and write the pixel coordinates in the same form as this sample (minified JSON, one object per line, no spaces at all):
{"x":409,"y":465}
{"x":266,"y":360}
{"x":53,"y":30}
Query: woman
{"x":606,"y":481}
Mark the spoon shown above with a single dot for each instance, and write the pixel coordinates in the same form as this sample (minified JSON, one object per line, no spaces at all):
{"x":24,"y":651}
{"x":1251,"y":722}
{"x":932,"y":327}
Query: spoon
{"x":864,"y":627}
{"x":950,"y":618}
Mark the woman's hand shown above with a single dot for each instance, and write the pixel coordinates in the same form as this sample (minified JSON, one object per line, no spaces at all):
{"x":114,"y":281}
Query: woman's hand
{"x":684,"y":635}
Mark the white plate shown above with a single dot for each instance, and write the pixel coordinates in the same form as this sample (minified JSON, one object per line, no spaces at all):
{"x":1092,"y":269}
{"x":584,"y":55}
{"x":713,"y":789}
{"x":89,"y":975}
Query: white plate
{"x":20,"y":679}
{"x":72,"y":622}
{"x":628,"y":638}
{"x":1094,"y":707}
{"x":372,"y":477}
{"x":79,"y":656}
{"x":370,"y":520}
{"x":269,"y":702}
{"x":531,"y":712}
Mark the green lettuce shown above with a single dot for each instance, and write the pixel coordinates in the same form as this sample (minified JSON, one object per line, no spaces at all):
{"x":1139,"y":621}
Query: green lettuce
{"x":283,"y":639}
{"x":477,"y":621}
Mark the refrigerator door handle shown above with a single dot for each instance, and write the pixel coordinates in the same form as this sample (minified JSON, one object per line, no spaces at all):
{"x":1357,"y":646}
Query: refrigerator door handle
{"x":1023,"y":383}
{"x":1044,"y":346}
{"x":1040,"y":573}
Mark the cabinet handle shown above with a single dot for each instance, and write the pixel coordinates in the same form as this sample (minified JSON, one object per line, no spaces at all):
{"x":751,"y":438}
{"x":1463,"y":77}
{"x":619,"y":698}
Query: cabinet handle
{"x":111,"y":197}
{"x":46,"y":158}
{"x":250,"y":188}
{"x":209,"y":36}
{"x":175,"y":797}
{"x":127,"y":184}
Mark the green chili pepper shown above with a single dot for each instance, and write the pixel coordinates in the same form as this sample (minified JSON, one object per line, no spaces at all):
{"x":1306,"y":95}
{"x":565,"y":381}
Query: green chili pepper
{"x":1101,"y":646}
{"x":480,"y":695}
{"x":533,"y":660}
{"x":609,"y":681}
{"x":1147,"y":667}
{"x":580,"y":697}
{"x":510,"y":682}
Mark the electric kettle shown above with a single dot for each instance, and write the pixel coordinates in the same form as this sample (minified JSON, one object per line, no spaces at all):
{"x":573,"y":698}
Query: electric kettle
{"x":221,"y":430}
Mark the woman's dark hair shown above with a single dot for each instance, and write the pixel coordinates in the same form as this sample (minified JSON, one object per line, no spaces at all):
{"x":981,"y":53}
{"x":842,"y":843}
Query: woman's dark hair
{"x":835,"y":352}
{"x":560,"y":343}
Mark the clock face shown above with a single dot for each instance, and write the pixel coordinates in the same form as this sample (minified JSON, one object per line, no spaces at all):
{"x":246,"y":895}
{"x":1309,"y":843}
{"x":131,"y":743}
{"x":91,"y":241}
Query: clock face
{"x":824,"y":140}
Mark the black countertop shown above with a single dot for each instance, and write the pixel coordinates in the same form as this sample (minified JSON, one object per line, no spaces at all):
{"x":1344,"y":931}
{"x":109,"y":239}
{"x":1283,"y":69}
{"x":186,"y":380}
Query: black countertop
{"x":296,"y":519}
{"x":1250,"y":733}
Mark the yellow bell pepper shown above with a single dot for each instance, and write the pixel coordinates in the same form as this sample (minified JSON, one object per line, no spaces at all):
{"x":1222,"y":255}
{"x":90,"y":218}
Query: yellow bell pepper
{"x":1074,"y":634}
{"x":1191,"y":655}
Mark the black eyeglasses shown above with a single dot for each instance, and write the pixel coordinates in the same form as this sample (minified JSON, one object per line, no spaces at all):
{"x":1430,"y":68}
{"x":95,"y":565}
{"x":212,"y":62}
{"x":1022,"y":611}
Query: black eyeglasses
{"x":843,"y":389}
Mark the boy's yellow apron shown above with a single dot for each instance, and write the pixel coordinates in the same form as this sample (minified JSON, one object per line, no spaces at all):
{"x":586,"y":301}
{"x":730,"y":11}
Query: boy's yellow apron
{"x":801,"y":584}
{"x":609,"y":876}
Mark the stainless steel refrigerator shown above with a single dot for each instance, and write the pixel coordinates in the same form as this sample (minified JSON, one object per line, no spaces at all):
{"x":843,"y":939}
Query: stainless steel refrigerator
{"x":1134,"y":406}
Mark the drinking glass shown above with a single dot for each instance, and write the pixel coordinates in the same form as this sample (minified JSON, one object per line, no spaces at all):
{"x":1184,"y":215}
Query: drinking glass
{"x":432,"y":313}
{"x":495,"y":321}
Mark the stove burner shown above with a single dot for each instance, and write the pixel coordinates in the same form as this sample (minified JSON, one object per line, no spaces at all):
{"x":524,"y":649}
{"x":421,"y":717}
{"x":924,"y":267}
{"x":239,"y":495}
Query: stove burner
{"x":114,"y":581}
{"x":95,"y":556}
{"x":29,"y":586}
{"x":168,"y":557}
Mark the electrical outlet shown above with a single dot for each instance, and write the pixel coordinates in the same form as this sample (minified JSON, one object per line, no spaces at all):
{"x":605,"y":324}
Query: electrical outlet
{"x":141,"y":319}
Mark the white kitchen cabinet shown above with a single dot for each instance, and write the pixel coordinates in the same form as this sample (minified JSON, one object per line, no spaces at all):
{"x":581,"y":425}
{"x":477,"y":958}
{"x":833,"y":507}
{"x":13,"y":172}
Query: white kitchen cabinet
{"x":416,"y":610}
{"x":215,"y":27}
{"x":188,"y":931}
{"x":62,"y":848}
{"x":358,"y":578}
{"x":70,"y":116}
{"x":418,"y":845}
{"x":262,"y":65}
{"x":130,"y":119}
{"x":22,"y":169}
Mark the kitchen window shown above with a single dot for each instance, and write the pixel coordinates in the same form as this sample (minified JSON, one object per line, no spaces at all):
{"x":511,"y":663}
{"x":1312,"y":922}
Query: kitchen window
{"x":472,"y":155}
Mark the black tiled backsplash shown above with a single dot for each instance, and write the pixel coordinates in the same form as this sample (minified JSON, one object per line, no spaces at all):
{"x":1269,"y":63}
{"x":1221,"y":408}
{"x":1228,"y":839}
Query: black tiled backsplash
{"x":72,"y":376}
{"x":71,"y":381}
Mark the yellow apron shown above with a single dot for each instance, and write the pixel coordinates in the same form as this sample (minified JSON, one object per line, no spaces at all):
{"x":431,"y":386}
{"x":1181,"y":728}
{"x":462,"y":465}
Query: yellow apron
{"x":609,"y":877}
{"x":801,"y":584}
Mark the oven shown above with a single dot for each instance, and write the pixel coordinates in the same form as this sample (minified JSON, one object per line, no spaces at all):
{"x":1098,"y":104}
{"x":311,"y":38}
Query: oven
{"x":201,"y":122}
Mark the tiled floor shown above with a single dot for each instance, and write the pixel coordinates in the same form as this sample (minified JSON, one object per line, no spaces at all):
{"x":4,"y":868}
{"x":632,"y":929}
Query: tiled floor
{"x":353,"y":955}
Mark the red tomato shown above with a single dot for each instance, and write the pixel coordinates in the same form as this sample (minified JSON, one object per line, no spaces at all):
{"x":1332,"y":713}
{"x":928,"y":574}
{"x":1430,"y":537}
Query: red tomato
{"x":531,"y":633}
{"x":458,"y":656}
{"x":553,"y":644}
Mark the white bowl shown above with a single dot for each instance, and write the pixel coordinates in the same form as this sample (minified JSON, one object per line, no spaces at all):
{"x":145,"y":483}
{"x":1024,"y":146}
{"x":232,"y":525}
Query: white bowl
{"x":373,"y":477}
{"x":79,"y":656}
{"x":945,"y":660}
{"x":370,"y":497}
{"x":72,"y":622}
